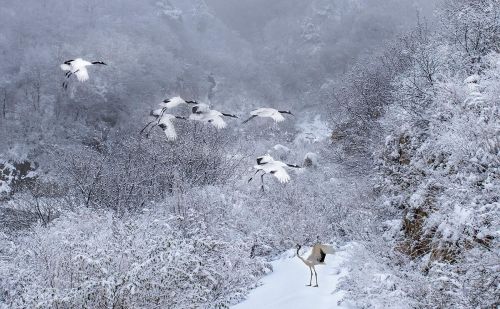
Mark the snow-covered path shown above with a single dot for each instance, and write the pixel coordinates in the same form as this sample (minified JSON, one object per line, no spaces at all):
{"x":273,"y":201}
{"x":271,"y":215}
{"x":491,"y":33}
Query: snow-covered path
{"x":286,"y":286}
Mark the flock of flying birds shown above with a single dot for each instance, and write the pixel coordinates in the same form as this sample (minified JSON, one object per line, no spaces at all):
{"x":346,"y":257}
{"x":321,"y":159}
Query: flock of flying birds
{"x":199,"y":112}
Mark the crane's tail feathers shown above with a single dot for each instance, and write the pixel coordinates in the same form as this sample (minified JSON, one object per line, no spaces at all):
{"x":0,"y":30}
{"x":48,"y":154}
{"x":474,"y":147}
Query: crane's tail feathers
{"x":65,"y":67}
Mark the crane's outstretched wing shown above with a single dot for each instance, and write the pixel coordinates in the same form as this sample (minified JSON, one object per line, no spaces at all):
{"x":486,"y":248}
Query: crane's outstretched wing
{"x":82,"y":74}
{"x":168,"y":128}
{"x":277,"y":117}
{"x":322,"y":256}
{"x":217,"y":122}
{"x":65,"y":67}
{"x":229,"y":115}
{"x":200,"y":108}
{"x":281,"y":174}
{"x":264,"y":159}
{"x":157,"y":112}
{"x":327,"y":249}
{"x":317,"y":254}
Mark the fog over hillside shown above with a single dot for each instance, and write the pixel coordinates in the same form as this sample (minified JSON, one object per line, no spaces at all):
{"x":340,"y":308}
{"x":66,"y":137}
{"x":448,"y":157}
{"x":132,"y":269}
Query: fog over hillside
{"x":173,"y":154}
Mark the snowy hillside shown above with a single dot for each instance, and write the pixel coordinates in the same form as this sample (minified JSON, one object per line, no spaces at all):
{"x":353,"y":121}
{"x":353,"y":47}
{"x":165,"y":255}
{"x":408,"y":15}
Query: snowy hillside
{"x":285,"y":287}
{"x":166,"y":153}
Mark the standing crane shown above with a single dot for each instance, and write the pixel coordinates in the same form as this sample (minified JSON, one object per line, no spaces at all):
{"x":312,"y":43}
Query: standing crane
{"x":316,"y":257}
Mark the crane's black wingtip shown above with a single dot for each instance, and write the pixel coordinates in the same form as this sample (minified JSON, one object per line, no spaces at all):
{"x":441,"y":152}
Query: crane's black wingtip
{"x":230,"y":115}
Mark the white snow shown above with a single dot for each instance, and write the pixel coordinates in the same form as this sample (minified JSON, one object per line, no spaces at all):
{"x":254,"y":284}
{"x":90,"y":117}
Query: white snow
{"x":279,"y":151}
{"x":311,"y":158}
{"x":169,"y":10}
{"x":279,"y":147}
{"x":472,"y":79}
{"x":285,"y":287}
{"x":313,"y":131}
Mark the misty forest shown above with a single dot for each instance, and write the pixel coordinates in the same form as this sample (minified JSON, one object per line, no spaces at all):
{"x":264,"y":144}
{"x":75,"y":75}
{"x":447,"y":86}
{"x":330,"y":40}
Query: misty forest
{"x":250,"y":154}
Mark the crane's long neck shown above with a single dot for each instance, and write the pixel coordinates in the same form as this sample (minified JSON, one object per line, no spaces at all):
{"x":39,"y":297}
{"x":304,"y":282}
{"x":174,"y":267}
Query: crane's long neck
{"x":298,"y":255}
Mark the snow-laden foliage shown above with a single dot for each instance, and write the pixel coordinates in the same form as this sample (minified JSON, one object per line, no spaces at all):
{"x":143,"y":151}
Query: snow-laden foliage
{"x":397,"y":139}
{"x":444,"y":177}
{"x":439,"y":169}
{"x":15,"y":175}
{"x":165,"y":261}
{"x":130,"y":173}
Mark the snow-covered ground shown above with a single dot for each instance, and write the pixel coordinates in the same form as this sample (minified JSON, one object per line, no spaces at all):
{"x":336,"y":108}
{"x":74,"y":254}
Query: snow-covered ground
{"x":285,"y":287}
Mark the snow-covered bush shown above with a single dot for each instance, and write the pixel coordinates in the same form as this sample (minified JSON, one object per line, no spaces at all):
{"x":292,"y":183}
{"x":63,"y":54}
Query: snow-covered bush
{"x":133,"y":172}
{"x":92,"y":259}
{"x":127,"y":222}
{"x":444,"y":177}
{"x":14,"y":176}
{"x":435,"y":236}
{"x":440,"y":165}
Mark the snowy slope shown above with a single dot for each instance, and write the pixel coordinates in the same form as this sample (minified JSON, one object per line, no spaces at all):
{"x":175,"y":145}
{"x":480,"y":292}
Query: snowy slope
{"x":286,"y":286}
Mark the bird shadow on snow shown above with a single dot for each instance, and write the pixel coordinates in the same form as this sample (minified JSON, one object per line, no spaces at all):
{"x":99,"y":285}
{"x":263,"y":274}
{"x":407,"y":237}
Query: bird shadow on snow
{"x":285,"y":287}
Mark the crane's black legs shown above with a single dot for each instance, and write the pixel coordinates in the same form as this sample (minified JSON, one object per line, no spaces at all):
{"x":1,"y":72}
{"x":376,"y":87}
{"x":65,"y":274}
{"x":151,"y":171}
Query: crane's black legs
{"x":65,"y":83}
{"x":311,"y":269}
{"x":311,"y":277}
{"x":150,"y":129}
{"x":261,"y":179}
{"x":253,"y":175}
{"x":316,"y":276}
{"x":146,"y":126}
{"x":68,"y":74}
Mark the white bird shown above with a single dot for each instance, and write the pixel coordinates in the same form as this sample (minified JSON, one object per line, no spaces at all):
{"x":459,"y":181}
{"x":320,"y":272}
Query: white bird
{"x":164,"y":121}
{"x":267,"y":112}
{"x":174,"y":102}
{"x":264,"y":159}
{"x":200,"y":108}
{"x":77,"y":67}
{"x":202,"y":112}
{"x":316,"y":257}
{"x":166,"y":124}
{"x":268,"y":165}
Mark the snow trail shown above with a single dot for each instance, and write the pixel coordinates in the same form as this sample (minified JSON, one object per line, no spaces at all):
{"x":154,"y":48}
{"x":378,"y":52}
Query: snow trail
{"x":285,"y":287}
